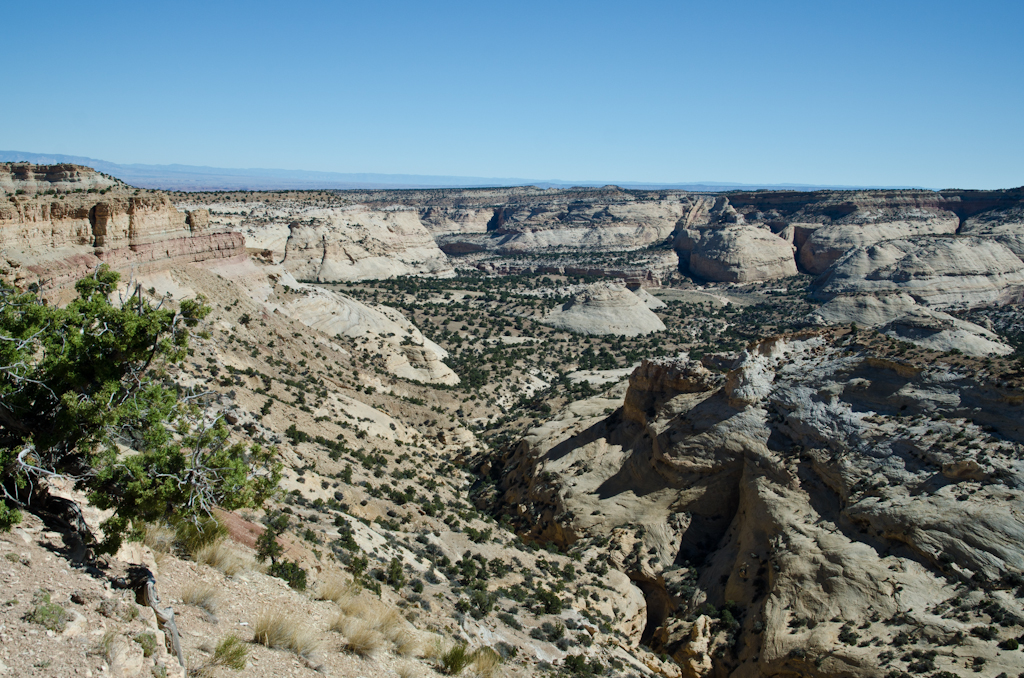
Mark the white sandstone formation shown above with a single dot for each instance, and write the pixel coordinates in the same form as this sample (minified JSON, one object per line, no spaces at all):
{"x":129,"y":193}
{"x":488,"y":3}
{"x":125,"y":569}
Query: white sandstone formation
{"x":937,"y":272}
{"x":605,"y":308}
{"x":901,"y":317}
{"x":815,"y":488}
{"x":399,"y":346}
{"x":738,"y":253}
{"x":827,"y":244}
{"x":335,"y":245}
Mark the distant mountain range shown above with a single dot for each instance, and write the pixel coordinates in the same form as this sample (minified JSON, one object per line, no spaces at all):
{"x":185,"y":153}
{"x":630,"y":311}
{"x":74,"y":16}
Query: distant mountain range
{"x":199,"y":178}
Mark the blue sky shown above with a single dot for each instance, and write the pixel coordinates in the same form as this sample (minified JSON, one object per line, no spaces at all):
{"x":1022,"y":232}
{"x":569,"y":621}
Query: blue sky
{"x":826,"y":92}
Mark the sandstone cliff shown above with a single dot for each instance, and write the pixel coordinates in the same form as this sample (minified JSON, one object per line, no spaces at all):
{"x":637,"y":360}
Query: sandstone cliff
{"x":735,"y":254}
{"x":938,"y":272}
{"x":829,"y":493}
{"x":359,"y":244}
{"x":53,"y":230}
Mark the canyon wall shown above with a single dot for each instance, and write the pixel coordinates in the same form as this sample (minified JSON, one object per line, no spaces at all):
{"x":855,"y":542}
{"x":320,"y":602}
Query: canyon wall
{"x":807,"y":490}
{"x":58,"y":223}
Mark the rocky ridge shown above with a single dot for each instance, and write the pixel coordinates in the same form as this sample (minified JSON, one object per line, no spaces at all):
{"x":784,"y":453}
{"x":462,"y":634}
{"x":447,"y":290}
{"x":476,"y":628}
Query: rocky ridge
{"x":823,"y":486}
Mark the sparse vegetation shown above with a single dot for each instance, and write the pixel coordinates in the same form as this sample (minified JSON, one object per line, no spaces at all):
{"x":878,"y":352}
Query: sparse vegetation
{"x":281,"y":630}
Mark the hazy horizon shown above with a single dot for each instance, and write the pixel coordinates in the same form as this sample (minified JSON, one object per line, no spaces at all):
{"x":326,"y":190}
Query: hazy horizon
{"x":662,"y":93}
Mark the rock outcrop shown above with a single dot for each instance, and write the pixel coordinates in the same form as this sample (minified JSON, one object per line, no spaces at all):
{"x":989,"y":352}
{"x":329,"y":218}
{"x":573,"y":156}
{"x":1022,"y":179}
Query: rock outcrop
{"x":24,"y":178}
{"x":361,"y":244}
{"x":392,"y":343}
{"x":938,"y":272}
{"x":735,"y":254}
{"x":605,"y":308}
{"x":55,"y":236}
{"x":821,"y":491}
{"x":901,"y":317}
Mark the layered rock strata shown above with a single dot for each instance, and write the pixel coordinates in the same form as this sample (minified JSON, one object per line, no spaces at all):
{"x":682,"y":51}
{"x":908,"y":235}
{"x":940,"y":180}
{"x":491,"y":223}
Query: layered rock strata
{"x":735,"y":254}
{"x":55,"y":232}
{"x":360,"y":244}
{"x":938,"y":272}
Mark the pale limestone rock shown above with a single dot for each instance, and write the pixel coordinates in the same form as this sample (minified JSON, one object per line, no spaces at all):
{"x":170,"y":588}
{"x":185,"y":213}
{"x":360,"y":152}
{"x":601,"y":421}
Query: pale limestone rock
{"x":866,"y":310}
{"x":804,"y":489}
{"x":448,"y":220}
{"x":1005,"y":226}
{"x":589,"y":225}
{"x":900,"y":316}
{"x":53,"y":242}
{"x":605,"y":308}
{"x":697,"y":652}
{"x":942,"y":332}
{"x":650,"y":301}
{"x":64,"y":178}
{"x":406,"y":352}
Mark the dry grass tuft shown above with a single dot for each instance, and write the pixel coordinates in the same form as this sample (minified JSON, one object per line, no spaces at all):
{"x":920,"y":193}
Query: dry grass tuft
{"x":277,"y":630}
{"x":159,"y":538}
{"x":201,"y":594}
{"x":486,"y":662}
{"x":222,"y":557}
{"x":389,"y":622}
{"x":408,"y":670}
{"x":337,"y":589}
{"x":434,"y":646}
{"x":361,"y":637}
{"x":408,"y":644}
{"x":356,"y":605}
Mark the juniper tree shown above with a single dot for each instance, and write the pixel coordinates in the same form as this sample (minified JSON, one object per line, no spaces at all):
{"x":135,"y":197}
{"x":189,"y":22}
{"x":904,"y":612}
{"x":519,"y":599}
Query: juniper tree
{"x":83,"y":396}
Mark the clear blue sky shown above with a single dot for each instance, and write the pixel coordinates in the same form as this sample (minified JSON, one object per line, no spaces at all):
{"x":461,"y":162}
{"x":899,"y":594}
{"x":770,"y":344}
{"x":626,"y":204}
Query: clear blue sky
{"x":822,"y":92}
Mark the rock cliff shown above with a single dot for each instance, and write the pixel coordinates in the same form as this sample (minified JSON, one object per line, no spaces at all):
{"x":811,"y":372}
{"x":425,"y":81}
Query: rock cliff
{"x":60,"y":222}
{"x":824,"y":495}
{"x":938,"y":272}
{"x":359,"y":244}
{"x":735,"y":254}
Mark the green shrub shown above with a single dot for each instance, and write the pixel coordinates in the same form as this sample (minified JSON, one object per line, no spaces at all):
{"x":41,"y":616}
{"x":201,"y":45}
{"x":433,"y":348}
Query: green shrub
{"x":455,"y":659}
{"x":290,"y":572}
{"x":510,"y":621}
{"x":192,"y":536}
{"x":147,"y":641}
{"x":74,"y":382}
{"x":231,"y":652}
{"x":47,"y":614}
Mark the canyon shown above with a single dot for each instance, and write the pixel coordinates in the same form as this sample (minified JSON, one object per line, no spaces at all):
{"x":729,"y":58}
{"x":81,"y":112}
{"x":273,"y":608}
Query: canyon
{"x":677,"y":434}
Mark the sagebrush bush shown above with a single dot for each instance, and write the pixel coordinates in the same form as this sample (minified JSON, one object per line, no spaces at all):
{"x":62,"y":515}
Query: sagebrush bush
{"x":48,"y":614}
